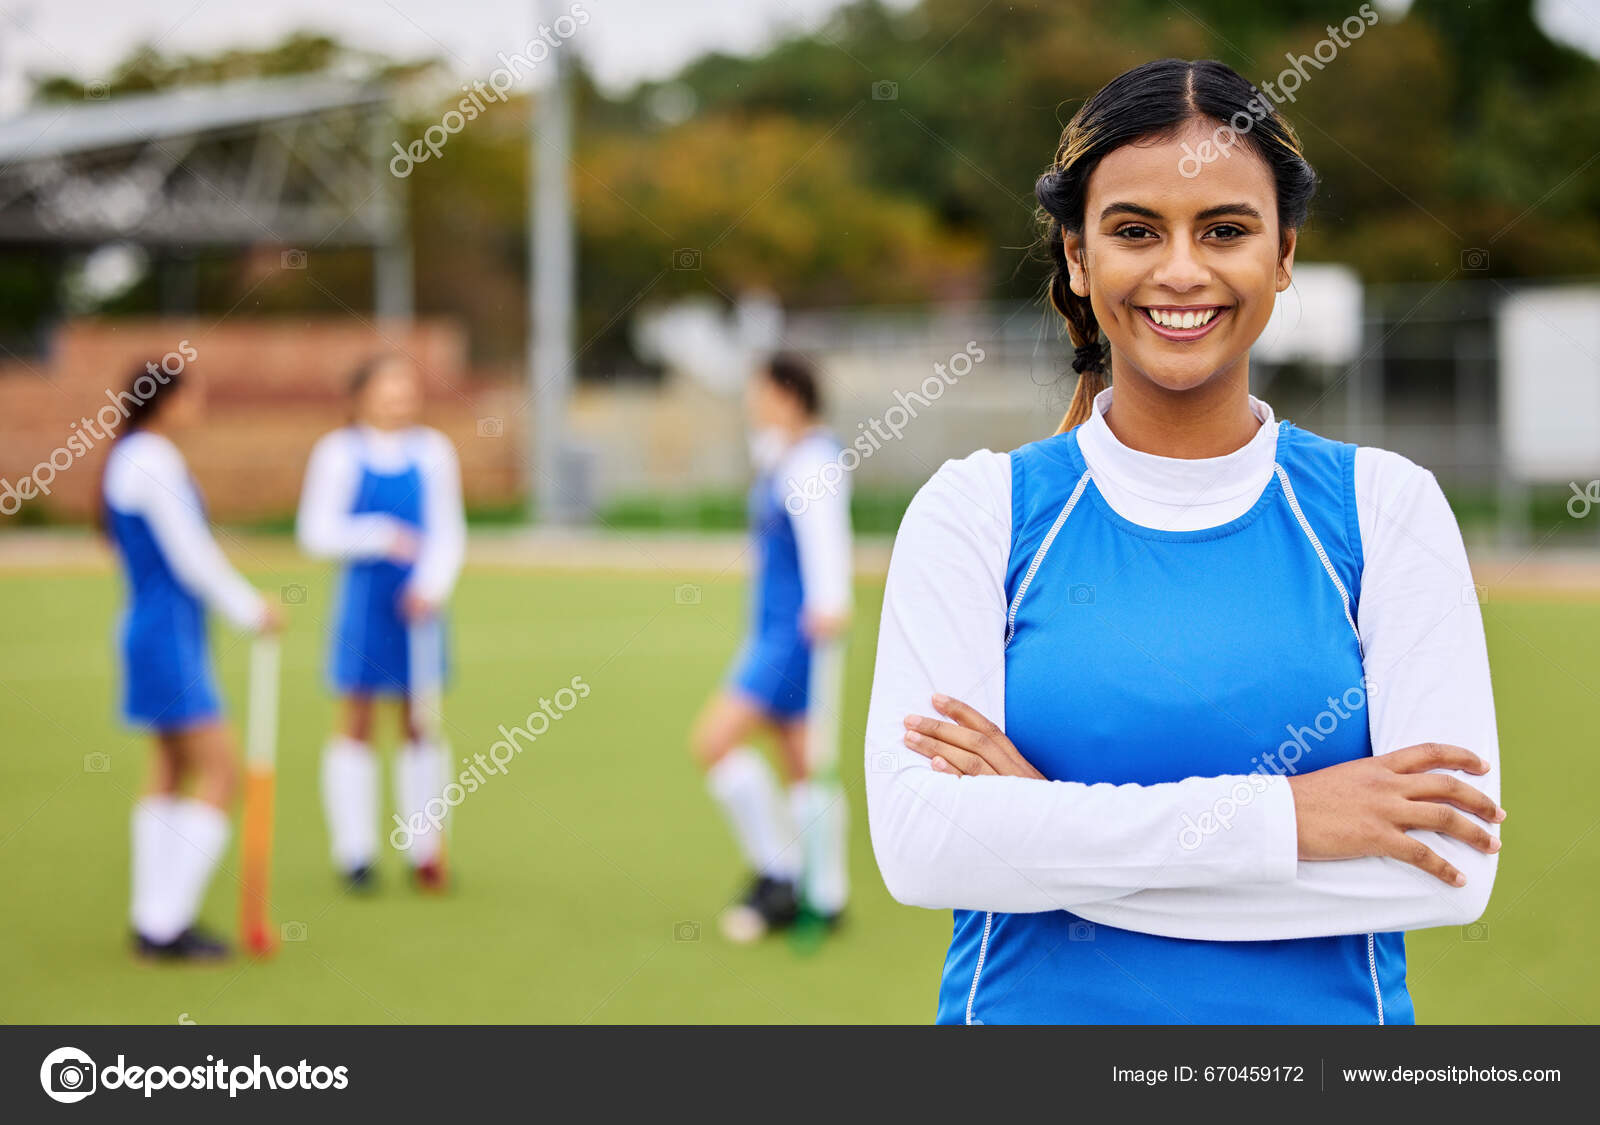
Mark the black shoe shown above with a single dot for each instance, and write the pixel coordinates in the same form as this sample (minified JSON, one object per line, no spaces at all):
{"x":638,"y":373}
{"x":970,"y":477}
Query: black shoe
{"x":192,"y":945}
{"x":769,"y":905}
{"x":361,"y":880}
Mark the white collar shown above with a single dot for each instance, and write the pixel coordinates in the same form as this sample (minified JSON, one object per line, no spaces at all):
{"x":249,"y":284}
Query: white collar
{"x":1173,"y":480}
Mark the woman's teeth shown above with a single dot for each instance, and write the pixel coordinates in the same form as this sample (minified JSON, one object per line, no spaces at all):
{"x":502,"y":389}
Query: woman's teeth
{"x":1171,"y":319}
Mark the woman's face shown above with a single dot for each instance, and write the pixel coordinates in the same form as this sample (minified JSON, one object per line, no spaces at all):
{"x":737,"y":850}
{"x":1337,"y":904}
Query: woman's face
{"x":1161,"y":246}
{"x":185,"y":406}
{"x":767,"y":405}
{"x":392,"y":398}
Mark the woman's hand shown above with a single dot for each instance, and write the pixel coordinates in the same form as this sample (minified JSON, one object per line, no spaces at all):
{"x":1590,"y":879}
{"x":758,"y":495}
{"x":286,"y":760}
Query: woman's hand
{"x":822,"y":627}
{"x":1364,"y":807}
{"x":415,"y":607}
{"x":970,"y":746}
{"x":405,"y":546}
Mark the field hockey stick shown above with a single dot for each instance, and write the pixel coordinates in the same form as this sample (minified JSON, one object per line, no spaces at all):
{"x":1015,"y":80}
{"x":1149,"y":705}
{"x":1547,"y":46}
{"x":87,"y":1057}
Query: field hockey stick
{"x":261,"y":752}
{"x":425,"y":654}
{"x":824,"y":712}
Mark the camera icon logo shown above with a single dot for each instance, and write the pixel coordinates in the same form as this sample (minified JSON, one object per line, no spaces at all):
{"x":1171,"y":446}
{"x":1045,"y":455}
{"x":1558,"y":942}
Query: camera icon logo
{"x":294,"y":931}
{"x":1475,"y":931}
{"x":686,"y":259}
{"x":491,"y":427}
{"x":96,"y":91}
{"x":1080,"y":931}
{"x":293,"y":594}
{"x":686,"y":594}
{"x":68,"y":1075}
{"x":686,"y":931}
{"x":1474,"y":259}
{"x":97,"y":763}
{"x":293,"y":259}
{"x":885,"y":91}
{"x":1080,"y":593}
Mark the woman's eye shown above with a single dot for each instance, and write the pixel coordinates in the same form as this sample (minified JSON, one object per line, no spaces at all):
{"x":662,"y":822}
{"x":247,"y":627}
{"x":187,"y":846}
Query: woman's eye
{"x":1228,"y":231}
{"x":1134,"y":232}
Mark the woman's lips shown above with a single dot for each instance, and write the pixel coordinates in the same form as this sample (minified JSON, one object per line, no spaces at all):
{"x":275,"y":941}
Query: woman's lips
{"x":1185,"y":334}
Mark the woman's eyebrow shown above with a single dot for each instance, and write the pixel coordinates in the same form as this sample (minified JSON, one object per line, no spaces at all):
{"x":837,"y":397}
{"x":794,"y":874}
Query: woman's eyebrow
{"x":1209,"y":213}
{"x":1129,"y":208}
{"x":1228,"y":209}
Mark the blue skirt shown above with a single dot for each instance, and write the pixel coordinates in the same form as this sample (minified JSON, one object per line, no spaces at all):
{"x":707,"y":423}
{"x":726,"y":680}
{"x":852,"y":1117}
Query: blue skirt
{"x":369,"y":652}
{"x":774,"y":670}
{"x":167,"y":680}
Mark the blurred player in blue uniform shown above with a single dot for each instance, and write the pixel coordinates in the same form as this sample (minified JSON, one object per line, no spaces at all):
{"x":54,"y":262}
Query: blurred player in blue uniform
{"x":786,"y":679}
{"x":383,"y":497}
{"x":153,"y":514}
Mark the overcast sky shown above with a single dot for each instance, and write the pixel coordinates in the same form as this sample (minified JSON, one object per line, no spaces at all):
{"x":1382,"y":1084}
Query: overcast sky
{"x":625,"y":40}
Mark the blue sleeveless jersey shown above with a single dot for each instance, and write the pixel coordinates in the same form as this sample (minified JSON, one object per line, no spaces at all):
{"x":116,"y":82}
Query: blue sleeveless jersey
{"x":369,"y":647}
{"x":167,"y":681}
{"x":1138,"y":655}
{"x":774,"y":667}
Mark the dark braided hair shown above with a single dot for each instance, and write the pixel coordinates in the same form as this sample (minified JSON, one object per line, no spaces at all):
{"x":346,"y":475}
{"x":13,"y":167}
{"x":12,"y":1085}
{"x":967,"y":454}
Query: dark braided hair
{"x":1153,"y":101}
{"x":794,"y":375}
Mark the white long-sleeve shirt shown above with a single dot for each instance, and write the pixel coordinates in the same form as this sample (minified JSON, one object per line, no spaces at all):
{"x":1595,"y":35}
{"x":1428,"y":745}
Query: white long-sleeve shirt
{"x":821,"y":521}
{"x":1105,"y":852}
{"x":146,"y":476}
{"x":326,"y":527}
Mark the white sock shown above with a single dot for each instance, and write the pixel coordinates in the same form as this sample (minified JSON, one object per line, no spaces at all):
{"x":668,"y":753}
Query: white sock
{"x":821,"y":817}
{"x":744,"y":786}
{"x":419,"y":779}
{"x":153,"y":824}
{"x":350,"y":802}
{"x":201,"y":838}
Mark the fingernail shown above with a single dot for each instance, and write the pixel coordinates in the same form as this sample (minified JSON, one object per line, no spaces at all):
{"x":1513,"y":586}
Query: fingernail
{"x":912,"y":738}
{"x":911,"y":720}
{"x":939,"y":700}
{"x":1494,"y":845}
{"x":940,"y":764}
{"x":1460,"y":880}
{"x":1499,"y":815}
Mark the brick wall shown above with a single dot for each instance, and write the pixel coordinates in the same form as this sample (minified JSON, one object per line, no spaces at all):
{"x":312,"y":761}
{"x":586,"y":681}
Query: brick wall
{"x":272,"y":388}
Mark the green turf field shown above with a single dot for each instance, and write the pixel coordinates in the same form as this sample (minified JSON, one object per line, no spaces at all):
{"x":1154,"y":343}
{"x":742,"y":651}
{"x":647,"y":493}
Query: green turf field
{"x":583,"y":867}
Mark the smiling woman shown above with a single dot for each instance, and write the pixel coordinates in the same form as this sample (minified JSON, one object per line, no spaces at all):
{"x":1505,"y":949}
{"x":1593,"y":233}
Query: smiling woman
{"x":1219,"y":725}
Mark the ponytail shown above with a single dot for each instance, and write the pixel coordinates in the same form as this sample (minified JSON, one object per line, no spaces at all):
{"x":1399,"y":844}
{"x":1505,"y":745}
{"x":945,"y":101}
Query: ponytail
{"x":1089,"y":357}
